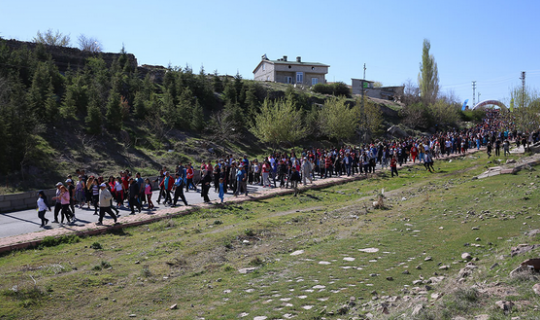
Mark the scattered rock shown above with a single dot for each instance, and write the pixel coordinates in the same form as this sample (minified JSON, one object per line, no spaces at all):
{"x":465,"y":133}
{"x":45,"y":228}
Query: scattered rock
{"x":522,"y":248}
{"x":389,"y":278}
{"x":506,"y":306}
{"x":444,"y":267}
{"x":406,"y":272}
{"x":247,"y":270}
{"x":466,"y":256}
{"x":536,"y":289}
{"x":417,"y":309}
{"x":369,"y":250}
{"x":436,"y":296}
{"x":132,"y":315}
{"x":428,"y":258}
{"x":297,"y":252}
{"x":475,"y":228}
{"x":482,"y":317}
{"x":495,"y":265}
{"x":173,"y":307}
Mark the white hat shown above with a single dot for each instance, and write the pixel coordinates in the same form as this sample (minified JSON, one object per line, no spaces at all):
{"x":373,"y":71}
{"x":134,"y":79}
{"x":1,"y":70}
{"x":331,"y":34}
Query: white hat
{"x":59,"y":184}
{"x":68,"y":180}
{"x":102,"y":185}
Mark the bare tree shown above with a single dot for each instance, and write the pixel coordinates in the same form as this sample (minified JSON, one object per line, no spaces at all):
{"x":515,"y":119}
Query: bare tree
{"x":411,"y":93}
{"x":51,"y":38}
{"x":89,"y":44}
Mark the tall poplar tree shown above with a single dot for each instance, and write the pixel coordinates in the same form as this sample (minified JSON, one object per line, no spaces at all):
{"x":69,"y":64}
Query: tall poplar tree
{"x":428,"y":78}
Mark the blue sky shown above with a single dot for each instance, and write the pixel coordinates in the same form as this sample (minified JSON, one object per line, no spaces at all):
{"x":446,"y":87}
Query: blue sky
{"x":490,"y":42}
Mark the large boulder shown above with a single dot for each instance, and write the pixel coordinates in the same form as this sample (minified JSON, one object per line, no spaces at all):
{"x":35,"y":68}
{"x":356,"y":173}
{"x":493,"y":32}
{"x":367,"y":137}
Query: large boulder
{"x":397,"y":132}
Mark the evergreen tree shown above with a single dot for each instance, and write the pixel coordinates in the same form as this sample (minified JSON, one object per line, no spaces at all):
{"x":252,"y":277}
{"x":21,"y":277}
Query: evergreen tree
{"x":229,"y":94}
{"x":114,"y":112}
{"x":217,"y":84}
{"x":94,"y":119}
{"x":139,"y":106}
{"x":169,"y":109}
{"x":39,"y":91}
{"x":197,"y":119}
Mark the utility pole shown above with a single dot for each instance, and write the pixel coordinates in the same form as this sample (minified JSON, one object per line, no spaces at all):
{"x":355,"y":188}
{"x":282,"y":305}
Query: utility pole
{"x":363,"y":84}
{"x":522,"y":88}
{"x":479,"y":96}
{"x":473,"y":94}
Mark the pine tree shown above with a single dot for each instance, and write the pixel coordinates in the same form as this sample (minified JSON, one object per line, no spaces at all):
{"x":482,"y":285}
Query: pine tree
{"x":197,"y":118}
{"x":114,"y":112}
{"x":139,"y":106}
{"x":217,"y":84}
{"x":94,"y":119}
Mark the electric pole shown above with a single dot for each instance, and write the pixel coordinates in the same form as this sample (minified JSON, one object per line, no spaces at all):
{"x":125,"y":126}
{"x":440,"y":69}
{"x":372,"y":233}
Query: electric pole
{"x":363,"y":85}
{"x":473,"y":94}
{"x":479,"y":96}
{"x":522,"y":88}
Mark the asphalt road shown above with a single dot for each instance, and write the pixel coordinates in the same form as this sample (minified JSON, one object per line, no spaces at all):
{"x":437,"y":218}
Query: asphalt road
{"x":27,"y":221}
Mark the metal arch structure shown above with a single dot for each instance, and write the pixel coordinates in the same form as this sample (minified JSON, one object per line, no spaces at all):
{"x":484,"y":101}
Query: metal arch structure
{"x":488,"y":102}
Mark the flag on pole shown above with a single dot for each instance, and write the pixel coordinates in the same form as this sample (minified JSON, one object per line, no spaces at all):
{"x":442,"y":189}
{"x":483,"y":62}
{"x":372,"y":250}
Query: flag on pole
{"x":464,"y":104}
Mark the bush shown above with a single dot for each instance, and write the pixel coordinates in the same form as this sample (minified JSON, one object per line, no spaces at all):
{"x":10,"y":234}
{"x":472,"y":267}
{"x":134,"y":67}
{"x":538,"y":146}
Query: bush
{"x":103,"y":265}
{"x":337,"y":89}
{"x":145,"y":272}
{"x":96,"y":246}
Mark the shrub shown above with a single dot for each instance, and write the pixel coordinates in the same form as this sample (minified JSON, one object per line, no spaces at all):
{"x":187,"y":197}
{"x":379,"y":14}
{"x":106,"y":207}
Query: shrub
{"x":337,"y":89}
{"x":96,"y":245}
{"x":145,"y":272}
{"x":102,"y":265}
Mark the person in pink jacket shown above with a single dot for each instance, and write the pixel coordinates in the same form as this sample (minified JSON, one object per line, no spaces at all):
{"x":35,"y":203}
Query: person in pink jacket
{"x":64,"y":201}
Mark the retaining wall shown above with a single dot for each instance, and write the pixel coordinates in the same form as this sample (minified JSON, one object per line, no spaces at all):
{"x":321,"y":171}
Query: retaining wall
{"x":28,"y":200}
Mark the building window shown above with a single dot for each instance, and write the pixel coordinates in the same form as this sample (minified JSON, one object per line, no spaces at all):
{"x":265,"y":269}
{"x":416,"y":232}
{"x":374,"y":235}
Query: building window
{"x":267,"y":78}
{"x":264,"y":66}
{"x":314,"y":81}
{"x":299,"y":77}
{"x":289,"y":79}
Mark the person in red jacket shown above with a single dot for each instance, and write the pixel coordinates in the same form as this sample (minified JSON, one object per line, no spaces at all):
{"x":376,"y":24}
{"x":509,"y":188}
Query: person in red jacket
{"x":189,"y":177}
{"x":167,"y":184}
{"x":414,"y":152}
{"x":393,"y":166}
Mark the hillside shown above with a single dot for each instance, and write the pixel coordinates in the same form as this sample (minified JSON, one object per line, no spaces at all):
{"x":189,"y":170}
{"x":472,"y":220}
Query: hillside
{"x":63,"y":109}
{"x":442,"y":248}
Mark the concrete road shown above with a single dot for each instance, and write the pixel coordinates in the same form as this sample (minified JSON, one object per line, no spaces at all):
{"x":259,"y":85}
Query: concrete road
{"x":27,"y":221}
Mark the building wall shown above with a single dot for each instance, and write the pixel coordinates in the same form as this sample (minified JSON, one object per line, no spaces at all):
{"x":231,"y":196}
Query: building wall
{"x":265,"y":75}
{"x":281,"y":76}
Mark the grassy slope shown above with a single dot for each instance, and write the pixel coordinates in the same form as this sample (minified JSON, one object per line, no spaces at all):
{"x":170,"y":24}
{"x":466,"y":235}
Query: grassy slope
{"x":192,"y":261}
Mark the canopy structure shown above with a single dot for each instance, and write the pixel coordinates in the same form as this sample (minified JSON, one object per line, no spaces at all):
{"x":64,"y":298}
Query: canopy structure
{"x":488,"y":102}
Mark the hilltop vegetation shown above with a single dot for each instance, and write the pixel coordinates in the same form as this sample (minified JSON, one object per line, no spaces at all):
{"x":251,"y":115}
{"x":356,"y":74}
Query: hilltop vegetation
{"x":103,"y":115}
{"x":63,"y":108}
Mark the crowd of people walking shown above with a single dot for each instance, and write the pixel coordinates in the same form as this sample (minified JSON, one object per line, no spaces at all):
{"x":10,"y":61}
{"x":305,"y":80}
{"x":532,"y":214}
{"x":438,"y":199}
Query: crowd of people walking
{"x":278,"y":170}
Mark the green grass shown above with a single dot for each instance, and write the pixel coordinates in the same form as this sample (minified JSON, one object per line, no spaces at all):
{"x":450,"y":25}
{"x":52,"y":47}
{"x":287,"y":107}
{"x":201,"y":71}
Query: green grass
{"x":193,"y":261}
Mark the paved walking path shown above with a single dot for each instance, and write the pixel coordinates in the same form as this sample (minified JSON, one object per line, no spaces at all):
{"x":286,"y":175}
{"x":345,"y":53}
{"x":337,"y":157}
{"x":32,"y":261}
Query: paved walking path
{"x":22,"y":228}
